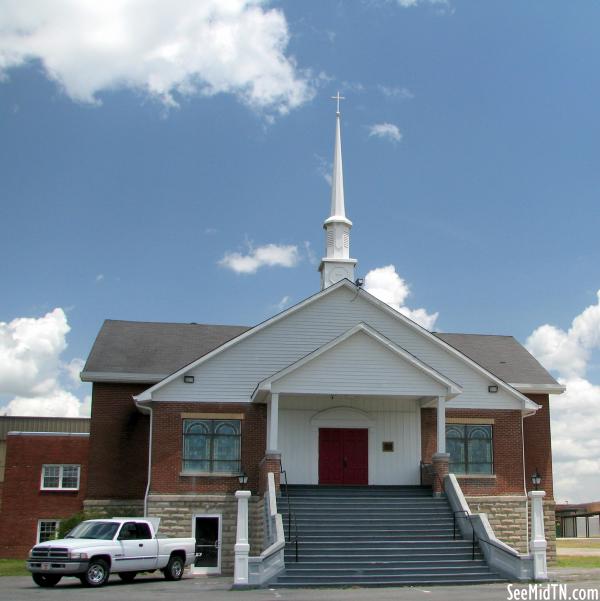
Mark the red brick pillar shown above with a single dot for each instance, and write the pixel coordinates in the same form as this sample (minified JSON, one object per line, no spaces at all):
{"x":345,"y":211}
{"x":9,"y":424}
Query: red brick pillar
{"x":440,"y":471}
{"x":271,"y":462}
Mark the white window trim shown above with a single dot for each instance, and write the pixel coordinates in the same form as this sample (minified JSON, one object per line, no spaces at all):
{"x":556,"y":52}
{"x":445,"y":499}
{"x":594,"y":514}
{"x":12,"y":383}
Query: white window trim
{"x":39,"y":528}
{"x":60,"y":476}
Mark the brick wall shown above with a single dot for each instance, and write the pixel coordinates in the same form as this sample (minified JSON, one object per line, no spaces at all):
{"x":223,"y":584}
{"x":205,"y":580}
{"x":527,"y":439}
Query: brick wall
{"x":538,"y":444}
{"x":507,"y":445}
{"x":118,"y":461}
{"x":23,"y":501}
{"x":168,"y":442}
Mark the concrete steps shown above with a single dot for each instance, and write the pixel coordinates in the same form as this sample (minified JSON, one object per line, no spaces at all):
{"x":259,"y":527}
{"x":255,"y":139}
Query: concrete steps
{"x":375,"y":536}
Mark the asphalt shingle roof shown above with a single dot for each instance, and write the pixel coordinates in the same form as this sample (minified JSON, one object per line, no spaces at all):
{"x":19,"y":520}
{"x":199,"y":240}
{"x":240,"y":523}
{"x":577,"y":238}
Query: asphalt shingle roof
{"x":159,"y":349}
{"x":139,"y":347}
{"x":502,"y":355}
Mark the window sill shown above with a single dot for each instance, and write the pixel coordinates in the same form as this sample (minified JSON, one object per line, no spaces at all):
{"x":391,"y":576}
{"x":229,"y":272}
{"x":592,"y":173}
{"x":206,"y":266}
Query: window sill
{"x":476,"y":476}
{"x":59,"y":489}
{"x":210,"y":474}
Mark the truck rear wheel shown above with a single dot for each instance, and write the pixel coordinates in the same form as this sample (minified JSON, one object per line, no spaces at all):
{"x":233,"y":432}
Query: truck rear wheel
{"x":174,"y":569}
{"x":97,"y":573}
{"x":46,"y":580}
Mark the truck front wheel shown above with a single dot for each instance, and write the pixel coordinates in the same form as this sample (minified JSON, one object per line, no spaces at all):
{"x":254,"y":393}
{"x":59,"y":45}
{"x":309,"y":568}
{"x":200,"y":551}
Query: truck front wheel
{"x":97,"y":573}
{"x":174,"y":569}
{"x":46,"y":580}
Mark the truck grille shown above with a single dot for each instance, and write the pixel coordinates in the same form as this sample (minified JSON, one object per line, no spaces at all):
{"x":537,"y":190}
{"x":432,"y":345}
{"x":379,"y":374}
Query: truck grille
{"x":49,"y":553}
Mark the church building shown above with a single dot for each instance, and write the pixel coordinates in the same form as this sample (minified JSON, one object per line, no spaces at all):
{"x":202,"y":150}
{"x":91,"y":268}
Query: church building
{"x":338,"y":392}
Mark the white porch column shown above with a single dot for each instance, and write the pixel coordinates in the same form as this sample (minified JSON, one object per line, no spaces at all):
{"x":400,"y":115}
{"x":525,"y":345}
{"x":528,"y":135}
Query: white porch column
{"x":242,"y":548}
{"x":273,"y":423}
{"x":537,"y":542}
{"x":441,"y":424}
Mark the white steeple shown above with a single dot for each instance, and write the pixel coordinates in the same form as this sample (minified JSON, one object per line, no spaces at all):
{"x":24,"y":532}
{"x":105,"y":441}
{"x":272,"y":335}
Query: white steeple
{"x":337,"y":263}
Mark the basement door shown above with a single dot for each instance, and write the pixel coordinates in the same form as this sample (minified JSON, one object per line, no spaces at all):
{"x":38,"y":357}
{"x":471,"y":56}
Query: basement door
{"x":344,"y":456}
{"x":207,"y":532}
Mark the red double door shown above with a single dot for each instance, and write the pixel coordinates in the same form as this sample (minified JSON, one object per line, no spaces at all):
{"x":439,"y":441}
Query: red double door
{"x":343,"y":456}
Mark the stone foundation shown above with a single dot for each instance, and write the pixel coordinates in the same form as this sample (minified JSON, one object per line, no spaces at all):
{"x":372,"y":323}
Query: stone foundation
{"x":177,"y":511}
{"x":114,"y":507}
{"x":509,"y":517}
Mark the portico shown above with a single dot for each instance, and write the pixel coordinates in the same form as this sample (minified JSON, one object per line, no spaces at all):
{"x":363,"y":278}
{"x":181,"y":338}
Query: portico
{"x":349,"y":412}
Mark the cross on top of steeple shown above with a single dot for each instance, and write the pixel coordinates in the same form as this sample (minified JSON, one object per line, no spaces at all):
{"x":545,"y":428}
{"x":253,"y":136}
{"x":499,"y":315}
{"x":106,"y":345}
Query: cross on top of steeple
{"x":337,"y":97}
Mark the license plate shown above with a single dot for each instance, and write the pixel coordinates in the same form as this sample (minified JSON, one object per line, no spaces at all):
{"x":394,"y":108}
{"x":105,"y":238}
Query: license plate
{"x":45,"y":566}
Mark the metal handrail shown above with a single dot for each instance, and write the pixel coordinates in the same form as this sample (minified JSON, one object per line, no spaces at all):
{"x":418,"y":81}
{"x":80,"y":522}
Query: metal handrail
{"x":290,"y":515}
{"x":475,"y":538}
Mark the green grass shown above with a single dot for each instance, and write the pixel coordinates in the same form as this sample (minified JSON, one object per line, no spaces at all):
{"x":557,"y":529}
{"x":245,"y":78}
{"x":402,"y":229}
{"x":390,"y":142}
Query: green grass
{"x":578,"y":543}
{"x":13,"y":567}
{"x":577,"y":561}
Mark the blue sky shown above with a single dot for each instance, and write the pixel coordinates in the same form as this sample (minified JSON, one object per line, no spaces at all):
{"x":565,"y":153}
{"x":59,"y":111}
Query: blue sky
{"x":470,"y":139}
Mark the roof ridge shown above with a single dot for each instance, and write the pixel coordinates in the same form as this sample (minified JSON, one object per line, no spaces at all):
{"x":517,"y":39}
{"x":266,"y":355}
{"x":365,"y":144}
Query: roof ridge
{"x":179,"y":323}
{"x":473,"y":334}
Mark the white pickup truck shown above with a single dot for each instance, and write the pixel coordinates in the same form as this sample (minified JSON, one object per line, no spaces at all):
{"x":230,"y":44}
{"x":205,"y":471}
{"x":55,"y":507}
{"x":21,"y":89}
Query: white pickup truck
{"x":95,"y":548}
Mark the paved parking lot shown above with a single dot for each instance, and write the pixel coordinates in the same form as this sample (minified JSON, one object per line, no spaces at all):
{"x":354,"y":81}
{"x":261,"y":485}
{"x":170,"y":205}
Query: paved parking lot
{"x":149,"y":588}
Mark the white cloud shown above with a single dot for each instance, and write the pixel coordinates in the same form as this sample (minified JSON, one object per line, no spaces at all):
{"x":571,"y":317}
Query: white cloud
{"x":99,"y":277}
{"x":73,"y":369}
{"x":310,"y":253}
{"x":31,"y":367}
{"x":388,"y":286}
{"x":568,"y":352}
{"x":385,"y":131}
{"x":269,"y":255}
{"x":400,"y":93}
{"x":576,"y":413}
{"x":283,"y":303}
{"x":57,"y":403}
{"x":324,"y":168}
{"x":164,"y":49}
{"x":411,"y":3}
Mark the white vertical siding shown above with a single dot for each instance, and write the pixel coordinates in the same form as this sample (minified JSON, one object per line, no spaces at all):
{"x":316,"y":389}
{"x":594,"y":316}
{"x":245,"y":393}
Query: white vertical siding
{"x":396,"y":421}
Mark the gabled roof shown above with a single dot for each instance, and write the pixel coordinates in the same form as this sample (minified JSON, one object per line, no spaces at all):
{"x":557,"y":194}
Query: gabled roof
{"x":453,"y":388}
{"x":138,"y":351}
{"x":527,"y":403}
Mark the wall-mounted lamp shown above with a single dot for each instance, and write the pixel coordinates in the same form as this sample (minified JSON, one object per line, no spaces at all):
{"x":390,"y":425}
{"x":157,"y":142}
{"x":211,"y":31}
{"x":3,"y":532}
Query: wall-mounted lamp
{"x":243,"y":478}
{"x":493,"y":388}
{"x":536,"y":479}
{"x":188,"y":379}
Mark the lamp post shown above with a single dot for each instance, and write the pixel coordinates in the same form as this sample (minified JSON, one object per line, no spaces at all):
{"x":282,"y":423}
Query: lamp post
{"x":536,"y":479}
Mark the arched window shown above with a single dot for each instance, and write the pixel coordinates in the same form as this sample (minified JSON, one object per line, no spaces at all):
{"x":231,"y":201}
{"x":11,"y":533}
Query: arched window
{"x":470,"y":448}
{"x":211,"y":446}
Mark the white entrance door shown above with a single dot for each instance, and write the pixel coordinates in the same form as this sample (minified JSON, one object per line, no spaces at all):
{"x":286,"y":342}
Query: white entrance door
{"x":207,"y":532}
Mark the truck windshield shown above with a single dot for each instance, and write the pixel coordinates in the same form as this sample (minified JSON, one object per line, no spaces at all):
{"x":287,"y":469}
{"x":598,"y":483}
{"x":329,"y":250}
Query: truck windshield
{"x":99,"y":530}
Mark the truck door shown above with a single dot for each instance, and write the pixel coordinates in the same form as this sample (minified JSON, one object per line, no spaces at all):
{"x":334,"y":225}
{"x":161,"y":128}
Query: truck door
{"x":138,"y":548}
